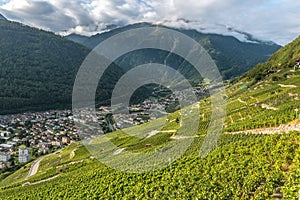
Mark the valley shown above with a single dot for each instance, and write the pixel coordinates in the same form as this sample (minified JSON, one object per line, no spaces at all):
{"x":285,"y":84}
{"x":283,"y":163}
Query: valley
{"x":158,"y":150}
{"x":265,"y":165}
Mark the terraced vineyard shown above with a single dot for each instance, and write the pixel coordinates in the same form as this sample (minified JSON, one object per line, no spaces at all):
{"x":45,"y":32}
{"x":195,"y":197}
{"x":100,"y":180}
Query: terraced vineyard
{"x":241,"y":166}
{"x":266,"y":104}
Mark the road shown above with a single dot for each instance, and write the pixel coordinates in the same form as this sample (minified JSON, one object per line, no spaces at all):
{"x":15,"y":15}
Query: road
{"x":35,"y":165}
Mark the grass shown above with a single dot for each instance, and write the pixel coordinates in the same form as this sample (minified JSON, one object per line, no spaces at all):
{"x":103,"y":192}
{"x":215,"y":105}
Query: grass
{"x":16,"y":177}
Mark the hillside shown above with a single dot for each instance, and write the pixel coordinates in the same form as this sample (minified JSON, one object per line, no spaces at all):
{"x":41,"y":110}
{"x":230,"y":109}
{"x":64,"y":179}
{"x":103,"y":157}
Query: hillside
{"x":77,"y":38}
{"x":38,"y":69}
{"x":284,"y":58}
{"x":241,"y":166}
{"x":232,"y":56}
{"x":2,"y":17}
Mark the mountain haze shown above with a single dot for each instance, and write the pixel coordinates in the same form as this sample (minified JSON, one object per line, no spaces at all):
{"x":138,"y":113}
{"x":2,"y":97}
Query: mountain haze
{"x":232,"y":56}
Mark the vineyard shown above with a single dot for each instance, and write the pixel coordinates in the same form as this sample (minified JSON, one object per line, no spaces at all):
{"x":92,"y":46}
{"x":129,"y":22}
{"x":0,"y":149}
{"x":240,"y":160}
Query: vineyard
{"x":240,"y":166}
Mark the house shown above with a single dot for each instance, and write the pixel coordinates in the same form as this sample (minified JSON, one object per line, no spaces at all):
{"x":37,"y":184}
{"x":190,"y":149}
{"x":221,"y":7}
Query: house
{"x":5,"y":157}
{"x":65,"y":140}
{"x":12,"y":143}
{"x":43,"y":148}
{"x":5,"y":134}
{"x":6,"y":146}
{"x":56,"y":143}
{"x":24,"y":155}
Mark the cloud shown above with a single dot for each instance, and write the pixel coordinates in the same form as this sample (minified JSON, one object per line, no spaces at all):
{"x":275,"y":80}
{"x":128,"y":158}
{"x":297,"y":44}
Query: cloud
{"x":275,"y":20}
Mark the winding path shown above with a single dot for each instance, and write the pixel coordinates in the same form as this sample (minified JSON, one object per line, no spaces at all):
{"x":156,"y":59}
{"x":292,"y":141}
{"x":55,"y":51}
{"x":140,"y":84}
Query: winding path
{"x":35,"y":165}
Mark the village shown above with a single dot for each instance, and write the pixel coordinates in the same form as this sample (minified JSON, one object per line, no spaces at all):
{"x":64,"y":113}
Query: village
{"x":24,"y":137}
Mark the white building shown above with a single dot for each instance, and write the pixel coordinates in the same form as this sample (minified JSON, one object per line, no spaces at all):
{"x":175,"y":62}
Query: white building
{"x":24,"y":155}
{"x":5,"y":134}
{"x":5,"y":157}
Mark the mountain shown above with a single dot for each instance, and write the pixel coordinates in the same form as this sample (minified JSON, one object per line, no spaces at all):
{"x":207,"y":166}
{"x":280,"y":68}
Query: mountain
{"x":2,"y":17}
{"x":77,"y":38}
{"x":249,"y":161}
{"x":232,"y":56}
{"x":286,"y":57}
{"x":38,"y":69}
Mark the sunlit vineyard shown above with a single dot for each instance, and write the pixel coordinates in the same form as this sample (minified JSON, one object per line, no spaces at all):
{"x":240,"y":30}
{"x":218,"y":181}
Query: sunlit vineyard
{"x":242,"y":165}
{"x":263,"y":105}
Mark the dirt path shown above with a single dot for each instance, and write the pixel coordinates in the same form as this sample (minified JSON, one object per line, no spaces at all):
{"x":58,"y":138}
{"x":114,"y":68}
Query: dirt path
{"x":231,"y":119}
{"x":272,"y":130}
{"x":254,"y":98}
{"x":72,"y":154}
{"x":71,"y":163}
{"x":287,"y":86}
{"x":42,"y":181}
{"x":240,"y":100}
{"x":268,"y":107}
{"x":155,"y":132}
{"x":168,"y":131}
{"x":180,"y":137}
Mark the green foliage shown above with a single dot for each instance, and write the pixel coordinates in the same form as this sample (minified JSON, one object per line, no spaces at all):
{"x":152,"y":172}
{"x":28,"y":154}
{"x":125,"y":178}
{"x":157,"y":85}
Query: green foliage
{"x":38,"y":69}
{"x":243,"y":167}
{"x":245,"y":108}
{"x":284,"y":58}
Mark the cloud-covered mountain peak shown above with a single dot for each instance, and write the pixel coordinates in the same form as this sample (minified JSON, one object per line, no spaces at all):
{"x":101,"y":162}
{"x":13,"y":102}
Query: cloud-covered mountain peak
{"x":220,"y":29}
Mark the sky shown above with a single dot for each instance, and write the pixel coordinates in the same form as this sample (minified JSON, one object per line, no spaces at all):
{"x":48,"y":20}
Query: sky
{"x":270,"y":20}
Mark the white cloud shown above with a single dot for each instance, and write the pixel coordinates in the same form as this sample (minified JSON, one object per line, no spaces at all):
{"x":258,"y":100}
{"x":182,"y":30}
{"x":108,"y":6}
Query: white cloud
{"x":275,"y":20}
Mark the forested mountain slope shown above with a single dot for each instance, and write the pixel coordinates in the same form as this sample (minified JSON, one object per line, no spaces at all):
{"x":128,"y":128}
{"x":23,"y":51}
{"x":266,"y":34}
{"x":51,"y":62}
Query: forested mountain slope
{"x":38,"y":69}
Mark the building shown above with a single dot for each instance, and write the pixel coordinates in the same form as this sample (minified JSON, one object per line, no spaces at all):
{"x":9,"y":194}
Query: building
{"x":5,"y":157}
{"x":43,"y":148}
{"x":7,"y":147}
{"x":24,"y":155}
{"x":56,"y":143}
{"x":5,"y":134}
{"x":65,"y":140}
